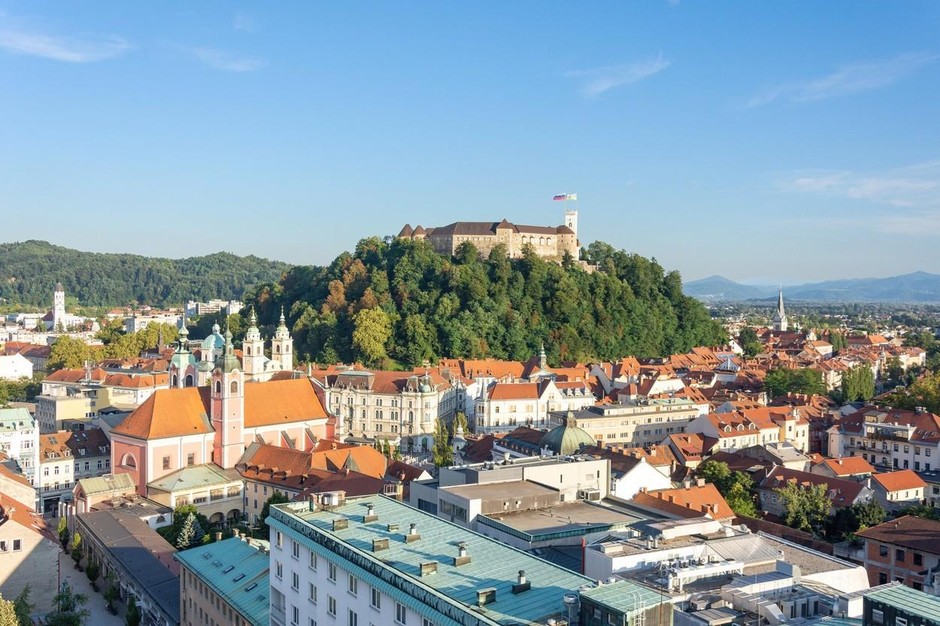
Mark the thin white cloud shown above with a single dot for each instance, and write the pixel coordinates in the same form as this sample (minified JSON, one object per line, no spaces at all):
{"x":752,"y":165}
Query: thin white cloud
{"x":846,"y":80}
{"x":18,"y":39}
{"x":602,"y":79}
{"x":227,"y":61}
{"x":911,"y":195}
{"x":244,"y":22}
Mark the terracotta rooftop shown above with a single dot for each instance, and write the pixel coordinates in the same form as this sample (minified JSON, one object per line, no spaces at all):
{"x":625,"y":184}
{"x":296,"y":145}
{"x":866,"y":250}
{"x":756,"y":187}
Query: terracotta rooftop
{"x":848,"y":466}
{"x":900,"y":480}
{"x":915,"y":533}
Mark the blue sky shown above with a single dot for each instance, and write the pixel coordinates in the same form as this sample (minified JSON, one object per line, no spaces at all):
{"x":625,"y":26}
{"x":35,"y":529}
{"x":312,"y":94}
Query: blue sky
{"x":764,"y":141}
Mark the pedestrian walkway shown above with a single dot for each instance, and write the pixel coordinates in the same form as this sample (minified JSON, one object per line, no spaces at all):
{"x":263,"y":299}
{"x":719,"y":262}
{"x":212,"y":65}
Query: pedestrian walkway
{"x":96,"y":605}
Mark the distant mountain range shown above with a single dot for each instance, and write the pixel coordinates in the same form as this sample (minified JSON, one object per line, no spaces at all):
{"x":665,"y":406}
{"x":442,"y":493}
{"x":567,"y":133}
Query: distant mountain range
{"x":917,"y":287}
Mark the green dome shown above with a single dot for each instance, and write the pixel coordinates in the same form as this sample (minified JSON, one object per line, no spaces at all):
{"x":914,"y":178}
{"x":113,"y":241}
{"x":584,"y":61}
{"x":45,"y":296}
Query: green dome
{"x":567,"y":438}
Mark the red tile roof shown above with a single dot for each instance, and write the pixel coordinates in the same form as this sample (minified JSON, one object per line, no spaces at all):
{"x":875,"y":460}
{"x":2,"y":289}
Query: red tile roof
{"x":899,"y":481}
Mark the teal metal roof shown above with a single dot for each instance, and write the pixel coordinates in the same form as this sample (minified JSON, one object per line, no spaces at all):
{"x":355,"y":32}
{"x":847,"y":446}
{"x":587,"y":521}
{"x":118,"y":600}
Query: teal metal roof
{"x":624,"y":597}
{"x":237,"y":572}
{"x":909,"y":600}
{"x":449,"y":594}
{"x":11,"y":419}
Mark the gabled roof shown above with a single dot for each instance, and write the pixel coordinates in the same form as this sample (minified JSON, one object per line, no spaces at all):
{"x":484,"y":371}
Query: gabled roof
{"x":178,"y":412}
{"x":514,"y":391}
{"x":916,"y":533}
{"x":841,"y":492}
{"x":699,"y":500}
{"x":899,"y":481}
{"x":111,"y":483}
{"x":848,"y":466}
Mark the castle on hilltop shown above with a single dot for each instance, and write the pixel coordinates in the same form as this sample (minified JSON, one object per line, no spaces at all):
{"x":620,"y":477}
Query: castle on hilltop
{"x":550,"y":242}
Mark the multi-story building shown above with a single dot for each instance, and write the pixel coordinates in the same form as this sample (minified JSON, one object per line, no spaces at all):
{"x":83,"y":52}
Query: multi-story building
{"x":635,"y":423}
{"x":229,"y":307}
{"x":91,"y":451}
{"x":399,"y":407}
{"x":551,"y":242}
{"x":19,"y":440}
{"x":889,"y":438}
{"x":841,"y":493}
{"x":898,"y":490}
{"x":225,"y":582}
{"x":15,"y":367}
{"x":510,"y":404}
{"x":906,"y":550}
{"x":29,"y":554}
{"x":374,"y":560}
{"x":140,"y":560}
{"x":215,"y":492}
{"x":56,"y":476}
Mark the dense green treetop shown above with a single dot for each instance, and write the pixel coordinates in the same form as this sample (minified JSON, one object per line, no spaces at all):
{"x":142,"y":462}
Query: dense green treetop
{"x":424,"y":305}
{"x":29,"y":271}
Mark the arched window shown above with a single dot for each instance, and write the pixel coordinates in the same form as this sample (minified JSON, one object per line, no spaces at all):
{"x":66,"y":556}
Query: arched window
{"x":128,"y":460}
{"x":277,"y":348}
{"x":189,"y":381}
{"x":175,"y":380}
{"x":218,"y":386}
{"x":234,"y":386}
{"x":247,"y":350}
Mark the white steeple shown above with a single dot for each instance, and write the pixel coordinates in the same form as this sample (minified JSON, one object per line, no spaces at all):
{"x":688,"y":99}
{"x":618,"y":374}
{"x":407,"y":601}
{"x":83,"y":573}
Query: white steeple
{"x":253,"y":351}
{"x":58,"y":307}
{"x":282,"y":346}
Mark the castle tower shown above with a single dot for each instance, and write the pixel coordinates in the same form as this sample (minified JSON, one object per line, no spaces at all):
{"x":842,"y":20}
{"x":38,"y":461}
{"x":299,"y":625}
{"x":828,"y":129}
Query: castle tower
{"x":58,"y":307}
{"x":780,"y":316}
{"x":253,"y":351}
{"x":571,"y":221}
{"x":227,"y":407}
{"x":282,"y":346}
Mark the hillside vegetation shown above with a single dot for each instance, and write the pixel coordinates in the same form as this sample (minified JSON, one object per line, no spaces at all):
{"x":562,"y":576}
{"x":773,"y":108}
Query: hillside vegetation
{"x":30,"y":270}
{"x":403,"y":302}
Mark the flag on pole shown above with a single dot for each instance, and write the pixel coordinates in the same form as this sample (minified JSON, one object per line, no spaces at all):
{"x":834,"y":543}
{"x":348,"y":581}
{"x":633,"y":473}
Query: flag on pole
{"x":566,"y":196}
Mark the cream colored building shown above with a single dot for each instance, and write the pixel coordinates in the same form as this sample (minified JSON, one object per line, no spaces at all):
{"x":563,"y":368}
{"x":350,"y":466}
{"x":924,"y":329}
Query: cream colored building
{"x":401,"y":407}
{"x":507,"y":405}
{"x":225,"y":582}
{"x":215,"y":492}
{"x":19,"y":440}
{"x":635,"y":424}
{"x":550,"y":242}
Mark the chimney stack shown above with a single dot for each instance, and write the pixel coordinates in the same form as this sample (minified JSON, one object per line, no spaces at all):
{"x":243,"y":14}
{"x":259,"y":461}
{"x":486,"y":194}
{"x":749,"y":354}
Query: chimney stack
{"x":462,"y":557}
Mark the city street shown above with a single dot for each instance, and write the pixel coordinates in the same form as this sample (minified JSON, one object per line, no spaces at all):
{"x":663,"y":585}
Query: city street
{"x":96,"y":603}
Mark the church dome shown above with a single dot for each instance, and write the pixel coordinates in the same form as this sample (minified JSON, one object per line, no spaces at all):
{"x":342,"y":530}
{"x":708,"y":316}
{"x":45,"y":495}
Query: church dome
{"x":215,"y":341}
{"x":567,"y":438}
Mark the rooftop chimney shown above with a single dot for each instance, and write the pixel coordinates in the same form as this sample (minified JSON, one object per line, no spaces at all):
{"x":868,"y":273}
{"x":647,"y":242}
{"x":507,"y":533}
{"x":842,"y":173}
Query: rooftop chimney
{"x":412,"y":533}
{"x":370,"y":515}
{"x":218,"y":535}
{"x":462,"y":557}
{"x":521,"y":583}
{"x":486,"y":596}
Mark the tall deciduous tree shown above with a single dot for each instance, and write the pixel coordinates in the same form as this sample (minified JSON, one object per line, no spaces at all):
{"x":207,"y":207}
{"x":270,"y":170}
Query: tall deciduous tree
{"x":858,"y":383}
{"x":806,"y":507}
{"x":372,"y":330}
{"x":68,"y":352}
{"x":8,"y":615}
{"x":442,"y":453}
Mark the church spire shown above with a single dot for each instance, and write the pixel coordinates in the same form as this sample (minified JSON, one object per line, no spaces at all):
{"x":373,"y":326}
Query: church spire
{"x":229,"y":361}
{"x":780,"y":316}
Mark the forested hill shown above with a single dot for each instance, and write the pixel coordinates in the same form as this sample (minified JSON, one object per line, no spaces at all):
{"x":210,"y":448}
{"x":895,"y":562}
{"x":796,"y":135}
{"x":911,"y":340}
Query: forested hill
{"x":30,"y":270}
{"x":405,"y":302}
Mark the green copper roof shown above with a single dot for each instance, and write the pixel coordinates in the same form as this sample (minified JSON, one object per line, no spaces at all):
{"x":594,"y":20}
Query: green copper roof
{"x":118,"y":483}
{"x":237,"y":572}
{"x":567,"y":438}
{"x":14,"y":419}
{"x":908,"y":600}
{"x":624,"y":597}
{"x":206,"y":476}
{"x":447,"y":596}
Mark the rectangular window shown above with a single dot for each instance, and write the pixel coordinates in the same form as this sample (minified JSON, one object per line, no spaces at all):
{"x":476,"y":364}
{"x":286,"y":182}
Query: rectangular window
{"x":278,"y":569}
{"x":376,"y":598}
{"x":353,"y":585}
{"x":882,"y":550}
{"x":295,"y":581}
{"x":353,"y":619}
{"x":313,"y":593}
{"x":166,"y":462}
{"x":278,"y":539}
{"x":899,"y":555}
{"x":17,"y":546}
{"x":295,"y":549}
{"x":331,"y":605}
{"x":401,"y":614}
{"x":294,"y":615}
{"x":190,"y":459}
{"x":313,"y":561}
{"x":427,"y":622}
{"x":332,"y":572}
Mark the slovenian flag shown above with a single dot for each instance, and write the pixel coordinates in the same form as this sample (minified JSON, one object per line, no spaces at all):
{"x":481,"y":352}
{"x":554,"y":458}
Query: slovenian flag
{"x":566,"y":196}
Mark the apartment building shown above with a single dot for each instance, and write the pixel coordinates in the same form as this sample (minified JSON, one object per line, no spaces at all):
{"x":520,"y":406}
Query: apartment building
{"x":637,"y":423}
